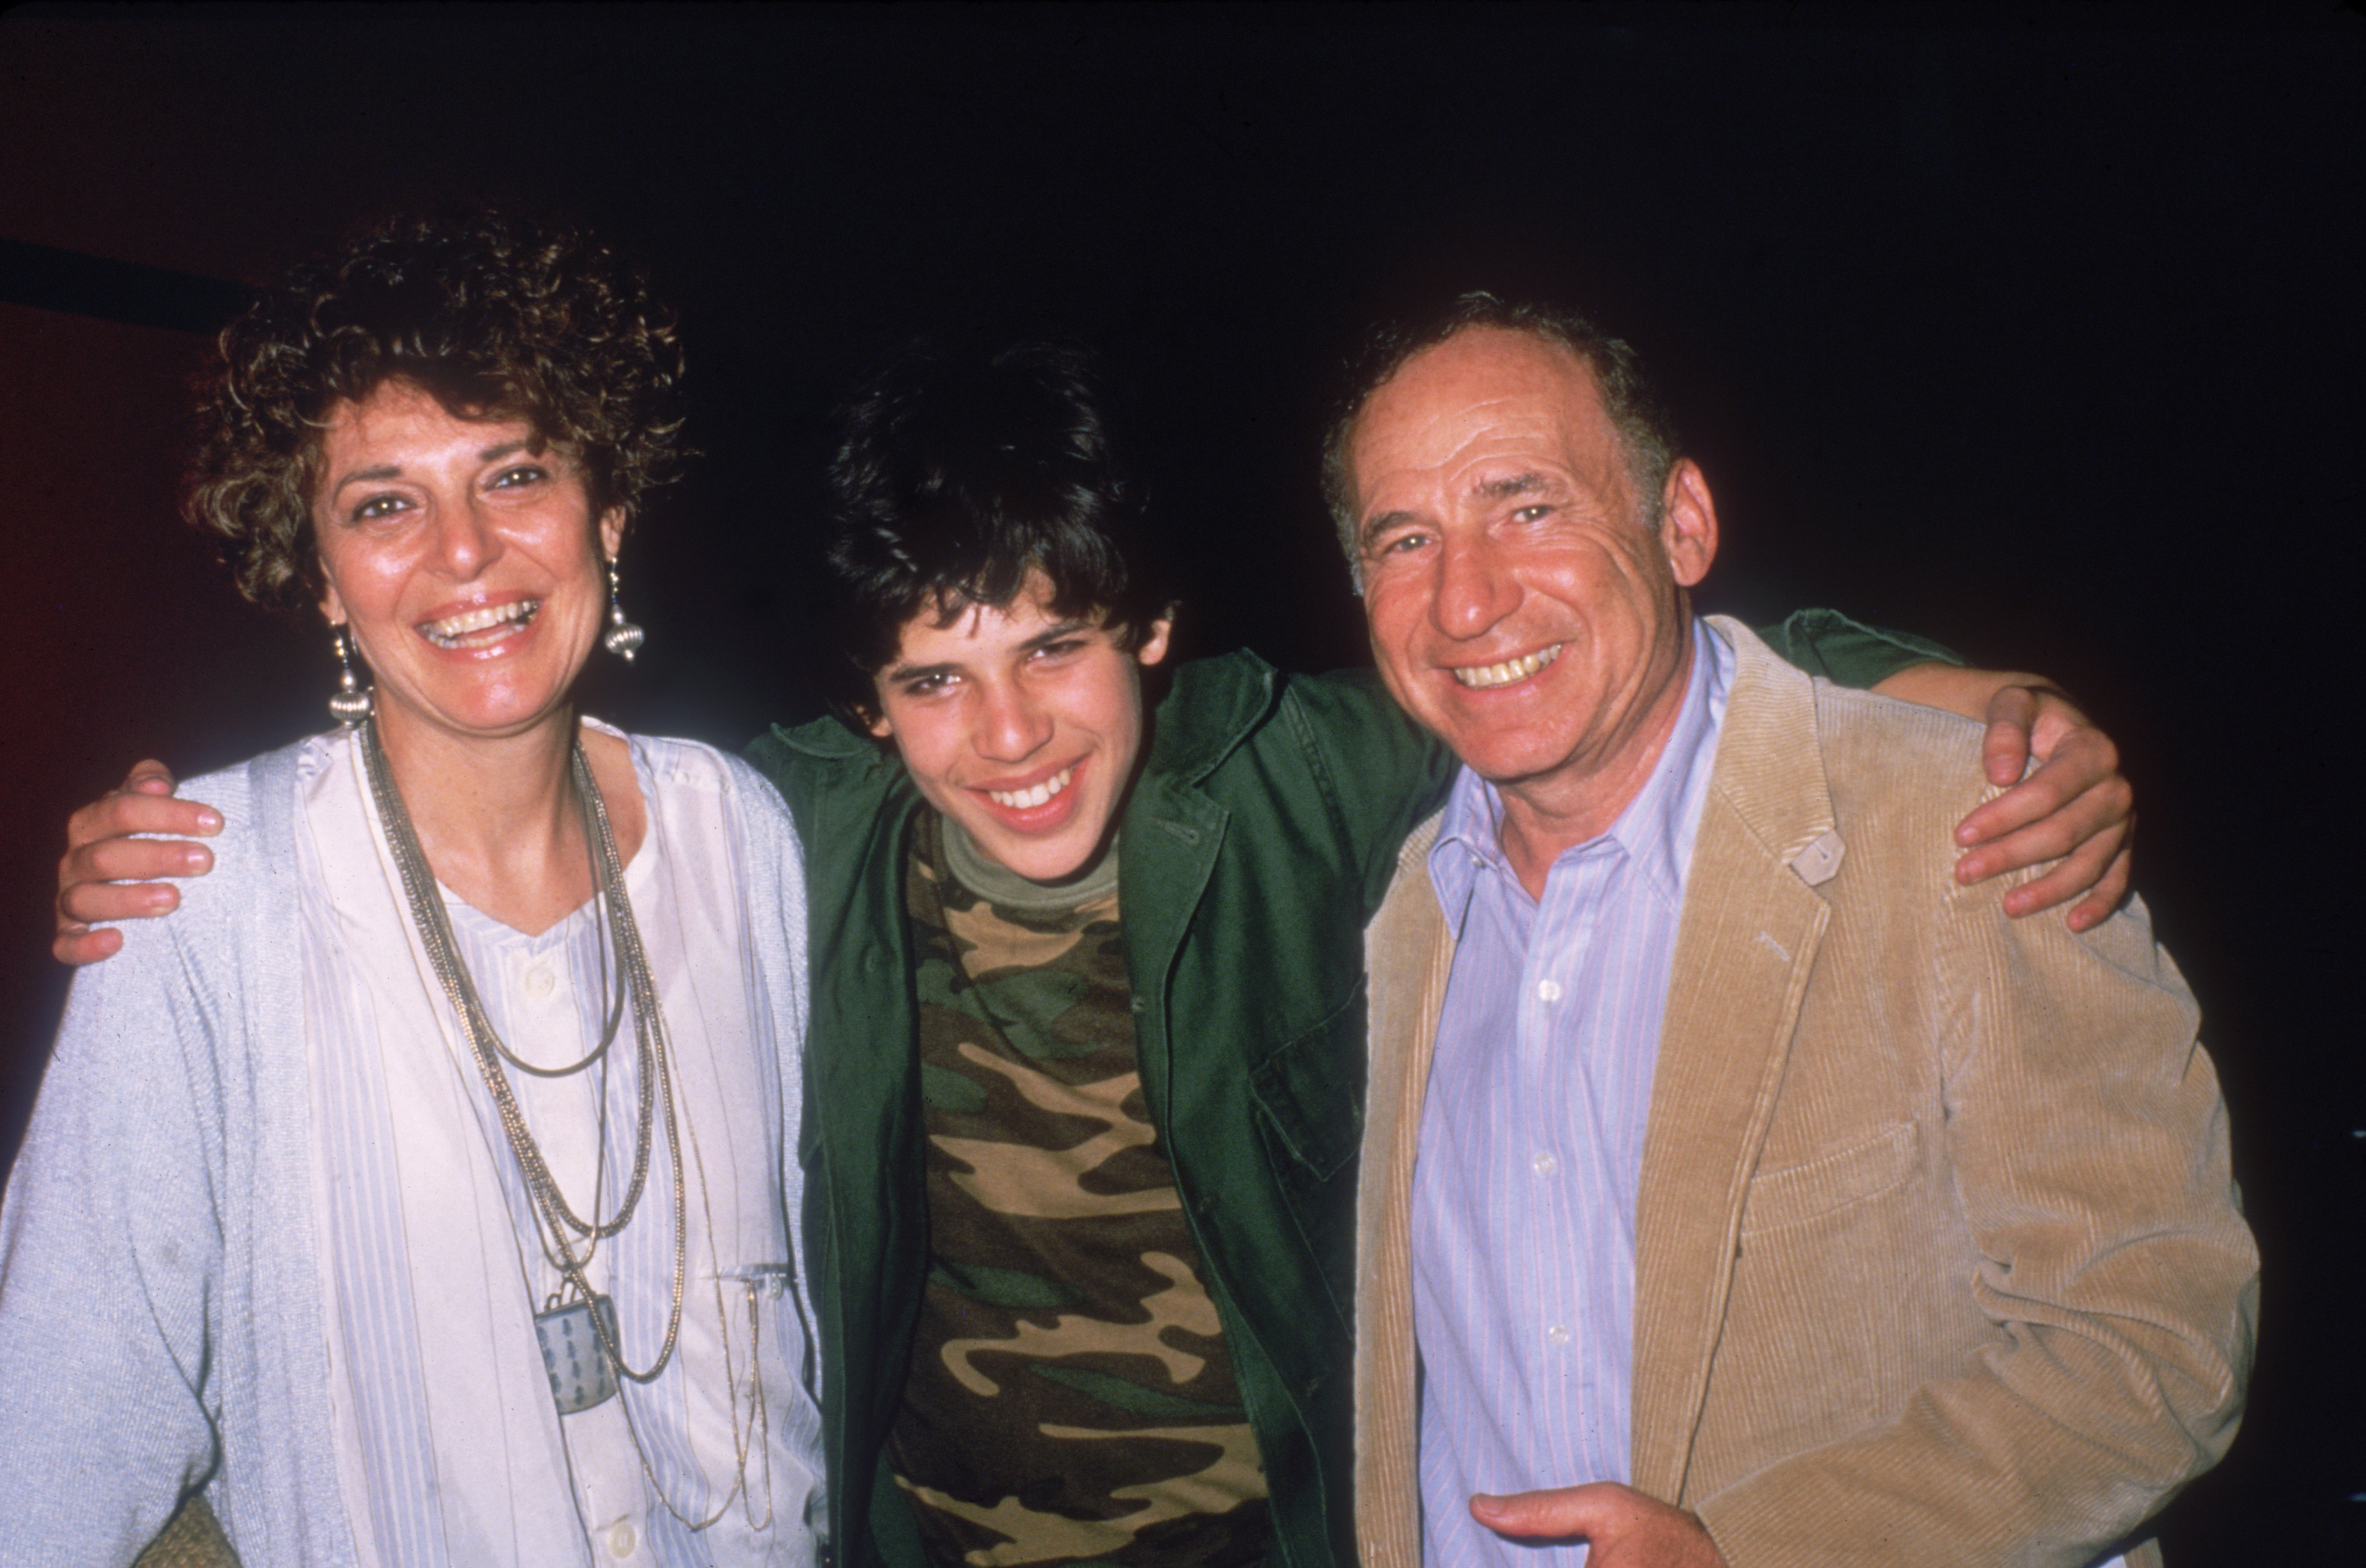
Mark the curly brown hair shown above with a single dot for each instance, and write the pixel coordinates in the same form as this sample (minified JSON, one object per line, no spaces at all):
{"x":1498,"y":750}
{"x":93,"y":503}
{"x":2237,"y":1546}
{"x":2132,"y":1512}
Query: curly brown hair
{"x":495,"y":316}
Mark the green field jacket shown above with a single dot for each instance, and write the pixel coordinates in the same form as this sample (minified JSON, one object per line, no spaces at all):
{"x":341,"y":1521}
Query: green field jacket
{"x":1260,"y":838}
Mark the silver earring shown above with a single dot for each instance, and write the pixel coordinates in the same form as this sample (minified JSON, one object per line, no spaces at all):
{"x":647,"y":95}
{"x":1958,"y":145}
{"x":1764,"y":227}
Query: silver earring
{"x":621,"y":638}
{"x":350,"y":705}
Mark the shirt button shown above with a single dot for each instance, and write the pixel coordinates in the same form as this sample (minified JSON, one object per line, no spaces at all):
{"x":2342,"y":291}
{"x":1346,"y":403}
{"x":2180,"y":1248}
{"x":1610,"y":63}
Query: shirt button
{"x":1548,"y":990}
{"x":1545,"y":1164}
{"x":621,"y":1540}
{"x":540,"y":983}
{"x":1558,"y":1334}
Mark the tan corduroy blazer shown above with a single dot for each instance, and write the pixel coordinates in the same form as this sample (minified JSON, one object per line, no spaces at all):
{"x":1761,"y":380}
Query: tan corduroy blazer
{"x":1938,"y":1256}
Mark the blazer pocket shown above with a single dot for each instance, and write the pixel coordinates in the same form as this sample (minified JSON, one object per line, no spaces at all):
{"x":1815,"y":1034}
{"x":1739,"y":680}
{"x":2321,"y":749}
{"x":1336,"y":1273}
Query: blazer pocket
{"x":1797,"y":1193}
{"x":1310,"y":1090}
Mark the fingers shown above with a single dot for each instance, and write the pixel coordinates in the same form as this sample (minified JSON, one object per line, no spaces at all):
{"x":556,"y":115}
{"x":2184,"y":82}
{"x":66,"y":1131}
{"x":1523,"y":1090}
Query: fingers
{"x":2075,"y":808}
{"x":2076,"y":794}
{"x":2082,"y":869}
{"x":2056,"y":825}
{"x":134,"y":810}
{"x":2083,"y":835}
{"x":114,"y":880}
{"x":149,"y":777}
{"x":2111,"y":892}
{"x":84,"y":903}
{"x":1591,"y":1510}
{"x":123,"y":859}
{"x":2005,"y":752}
{"x":2099,"y":867}
{"x":107,"y":875}
{"x":80,"y":945}
{"x":2076,"y":764}
{"x":1623,"y":1528}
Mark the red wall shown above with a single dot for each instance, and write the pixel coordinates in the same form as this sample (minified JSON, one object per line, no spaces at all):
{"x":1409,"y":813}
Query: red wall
{"x":121,"y":637}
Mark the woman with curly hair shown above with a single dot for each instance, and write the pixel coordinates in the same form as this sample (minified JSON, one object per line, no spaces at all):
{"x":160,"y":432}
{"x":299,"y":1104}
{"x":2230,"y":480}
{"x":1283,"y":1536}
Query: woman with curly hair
{"x":421,"y":1194}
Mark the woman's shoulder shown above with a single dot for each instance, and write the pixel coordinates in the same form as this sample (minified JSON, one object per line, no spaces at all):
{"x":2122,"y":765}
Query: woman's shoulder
{"x":243,"y":784}
{"x":257,"y":799}
{"x":237,"y":910}
{"x":678,"y":771}
{"x":724,"y":821}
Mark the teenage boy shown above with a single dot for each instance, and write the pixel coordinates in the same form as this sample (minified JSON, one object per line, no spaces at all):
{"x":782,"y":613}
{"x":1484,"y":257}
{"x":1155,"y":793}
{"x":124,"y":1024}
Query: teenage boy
{"x":1086,"y":1067}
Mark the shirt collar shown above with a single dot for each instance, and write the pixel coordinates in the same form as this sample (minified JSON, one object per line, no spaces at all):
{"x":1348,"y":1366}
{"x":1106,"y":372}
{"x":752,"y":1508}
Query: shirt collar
{"x":1655,"y":831}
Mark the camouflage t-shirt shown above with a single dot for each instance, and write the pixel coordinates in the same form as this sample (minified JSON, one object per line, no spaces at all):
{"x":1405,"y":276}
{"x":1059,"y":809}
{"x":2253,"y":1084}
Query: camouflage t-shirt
{"x":1071,"y":1399}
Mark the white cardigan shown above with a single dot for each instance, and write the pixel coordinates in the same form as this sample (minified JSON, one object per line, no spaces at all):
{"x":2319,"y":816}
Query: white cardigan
{"x":160,"y":1317}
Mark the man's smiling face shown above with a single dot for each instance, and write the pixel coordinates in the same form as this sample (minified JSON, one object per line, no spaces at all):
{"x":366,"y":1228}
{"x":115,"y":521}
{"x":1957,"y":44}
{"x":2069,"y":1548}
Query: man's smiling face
{"x":1520,"y":604}
{"x":1020,"y":724}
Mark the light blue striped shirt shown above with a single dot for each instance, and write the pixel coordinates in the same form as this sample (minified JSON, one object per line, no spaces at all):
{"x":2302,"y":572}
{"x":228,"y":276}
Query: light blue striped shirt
{"x":1532,"y":1139}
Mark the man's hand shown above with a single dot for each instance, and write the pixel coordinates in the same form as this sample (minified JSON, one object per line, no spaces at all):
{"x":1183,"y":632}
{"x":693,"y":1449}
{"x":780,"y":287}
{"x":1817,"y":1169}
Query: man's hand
{"x":103,"y":876}
{"x":1622,"y":1527}
{"x":2075,"y":806}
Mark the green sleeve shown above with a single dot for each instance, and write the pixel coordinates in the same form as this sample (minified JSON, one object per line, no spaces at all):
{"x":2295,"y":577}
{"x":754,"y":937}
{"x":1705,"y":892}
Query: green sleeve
{"x":1826,"y":642}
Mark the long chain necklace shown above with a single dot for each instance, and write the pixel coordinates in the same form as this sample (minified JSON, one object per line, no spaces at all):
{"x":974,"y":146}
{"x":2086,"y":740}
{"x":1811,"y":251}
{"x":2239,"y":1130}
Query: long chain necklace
{"x":559,"y":1220}
{"x":653,"y":1061}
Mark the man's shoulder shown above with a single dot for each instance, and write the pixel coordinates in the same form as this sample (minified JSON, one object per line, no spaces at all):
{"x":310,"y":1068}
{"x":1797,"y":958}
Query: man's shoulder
{"x":1800,"y":758}
{"x":1866,"y":746}
{"x":1876,"y":742}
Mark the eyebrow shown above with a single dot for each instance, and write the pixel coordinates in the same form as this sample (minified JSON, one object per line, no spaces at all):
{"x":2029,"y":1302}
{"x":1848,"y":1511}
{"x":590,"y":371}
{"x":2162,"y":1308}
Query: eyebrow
{"x":1374,"y":527}
{"x":1043,"y":639}
{"x":394,"y":470}
{"x":1514,"y":485}
{"x":1486,"y":490}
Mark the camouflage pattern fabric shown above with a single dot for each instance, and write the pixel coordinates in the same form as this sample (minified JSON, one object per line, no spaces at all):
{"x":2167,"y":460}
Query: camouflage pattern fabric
{"x":1070,"y":1399}
{"x":193,"y":1540}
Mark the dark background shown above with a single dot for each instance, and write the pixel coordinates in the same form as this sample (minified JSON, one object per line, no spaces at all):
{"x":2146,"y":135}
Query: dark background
{"x":2037,"y":332}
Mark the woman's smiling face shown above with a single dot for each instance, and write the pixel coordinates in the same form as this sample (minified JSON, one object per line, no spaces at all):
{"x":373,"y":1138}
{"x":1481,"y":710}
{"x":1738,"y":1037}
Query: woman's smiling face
{"x":468,"y":565}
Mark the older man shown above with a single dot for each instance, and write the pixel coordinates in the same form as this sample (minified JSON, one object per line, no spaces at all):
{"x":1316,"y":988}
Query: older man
{"x":1777,"y":1199}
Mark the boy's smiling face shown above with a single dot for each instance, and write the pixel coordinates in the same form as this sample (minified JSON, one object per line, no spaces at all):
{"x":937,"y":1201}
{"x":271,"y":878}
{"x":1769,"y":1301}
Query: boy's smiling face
{"x":1021,"y":725}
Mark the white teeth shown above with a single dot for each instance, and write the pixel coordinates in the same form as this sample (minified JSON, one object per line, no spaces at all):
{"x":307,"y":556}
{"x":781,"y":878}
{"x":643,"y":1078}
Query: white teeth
{"x":1022,"y":799}
{"x":448,"y":632}
{"x":1511,"y":670}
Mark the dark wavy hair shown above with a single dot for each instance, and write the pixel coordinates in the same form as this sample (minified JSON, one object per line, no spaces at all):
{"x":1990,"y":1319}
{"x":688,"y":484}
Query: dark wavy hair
{"x":1647,"y":437}
{"x":961,"y":469}
{"x":495,"y":316}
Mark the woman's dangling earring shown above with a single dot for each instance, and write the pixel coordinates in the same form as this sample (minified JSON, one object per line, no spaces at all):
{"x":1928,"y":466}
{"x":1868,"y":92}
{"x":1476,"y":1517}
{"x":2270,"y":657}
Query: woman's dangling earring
{"x":350,"y":705}
{"x":621,"y":638}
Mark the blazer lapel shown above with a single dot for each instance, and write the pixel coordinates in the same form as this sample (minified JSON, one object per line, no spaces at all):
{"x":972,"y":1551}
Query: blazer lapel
{"x":1744,"y":950}
{"x":1409,"y":954}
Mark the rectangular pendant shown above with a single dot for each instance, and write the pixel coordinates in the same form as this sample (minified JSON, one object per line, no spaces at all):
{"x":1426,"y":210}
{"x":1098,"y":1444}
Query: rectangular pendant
{"x":580,"y":1376}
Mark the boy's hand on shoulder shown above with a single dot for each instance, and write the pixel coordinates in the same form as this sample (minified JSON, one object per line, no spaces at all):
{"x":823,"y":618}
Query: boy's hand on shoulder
{"x":108,"y":874}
